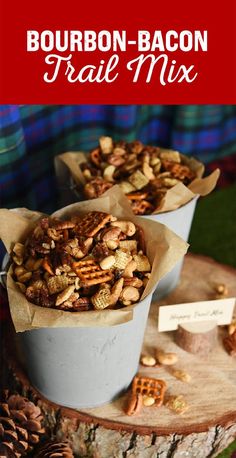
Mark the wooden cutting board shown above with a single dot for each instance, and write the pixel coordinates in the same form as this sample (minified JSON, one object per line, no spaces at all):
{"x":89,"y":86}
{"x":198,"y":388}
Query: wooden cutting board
{"x":202,"y":431}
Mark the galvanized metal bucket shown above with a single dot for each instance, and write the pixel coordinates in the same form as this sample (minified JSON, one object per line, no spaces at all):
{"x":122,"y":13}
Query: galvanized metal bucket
{"x":180,"y":222}
{"x":85,"y":367}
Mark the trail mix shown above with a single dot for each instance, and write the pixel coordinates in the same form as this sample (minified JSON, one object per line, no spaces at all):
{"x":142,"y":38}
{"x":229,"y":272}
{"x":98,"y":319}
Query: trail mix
{"x":88,"y":262}
{"x":144,"y":173}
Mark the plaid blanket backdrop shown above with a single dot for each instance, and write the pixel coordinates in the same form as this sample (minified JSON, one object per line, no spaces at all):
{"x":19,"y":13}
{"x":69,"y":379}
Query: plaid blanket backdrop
{"x":30,"y":137}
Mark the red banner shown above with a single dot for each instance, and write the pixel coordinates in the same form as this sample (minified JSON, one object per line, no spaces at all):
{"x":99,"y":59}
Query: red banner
{"x":122,"y":52}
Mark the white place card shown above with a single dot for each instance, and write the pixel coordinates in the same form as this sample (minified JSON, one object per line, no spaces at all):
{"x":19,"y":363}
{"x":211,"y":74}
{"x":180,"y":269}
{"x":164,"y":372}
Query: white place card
{"x":220,"y":310}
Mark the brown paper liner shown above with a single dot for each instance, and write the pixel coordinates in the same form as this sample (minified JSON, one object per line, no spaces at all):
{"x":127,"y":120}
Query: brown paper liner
{"x":174,"y":198}
{"x":164,"y":249}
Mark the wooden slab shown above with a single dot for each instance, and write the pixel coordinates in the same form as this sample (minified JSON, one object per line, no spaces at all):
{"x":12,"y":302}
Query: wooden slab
{"x":212,"y":392}
{"x":205,"y":429}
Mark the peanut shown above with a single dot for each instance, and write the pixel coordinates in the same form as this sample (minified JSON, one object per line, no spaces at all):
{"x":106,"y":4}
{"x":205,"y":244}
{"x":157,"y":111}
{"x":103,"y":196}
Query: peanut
{"x":167,"y":359}
{"x":107,"y":262}
{"x":148,"y":360}
{"x":112,"y":244}
{"x":148,"y":401}
{"x":170,"y":182}
{"x":126,"y":226}
{"x":131,"y":266}
{"x":111,"y":233}
{"x":182,"y":375}
{"x":108,"y":172}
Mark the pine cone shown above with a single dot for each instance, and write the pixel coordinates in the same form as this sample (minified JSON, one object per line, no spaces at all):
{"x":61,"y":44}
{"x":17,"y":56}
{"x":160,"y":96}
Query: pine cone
{"x":20,"y":425}
{"x":55,"y":450}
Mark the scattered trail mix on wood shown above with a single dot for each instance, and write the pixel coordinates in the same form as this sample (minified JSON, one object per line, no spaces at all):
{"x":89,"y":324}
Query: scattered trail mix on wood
{"x":85,"y":263}
{"x":144,"y":173}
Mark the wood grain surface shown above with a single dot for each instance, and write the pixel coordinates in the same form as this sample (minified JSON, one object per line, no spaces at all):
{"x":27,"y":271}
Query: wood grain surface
{"x":202,"y":431}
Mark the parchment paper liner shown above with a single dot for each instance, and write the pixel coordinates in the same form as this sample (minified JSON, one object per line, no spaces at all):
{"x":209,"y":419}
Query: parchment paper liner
{"x":164,"y":249}
{"x":175,"y":197}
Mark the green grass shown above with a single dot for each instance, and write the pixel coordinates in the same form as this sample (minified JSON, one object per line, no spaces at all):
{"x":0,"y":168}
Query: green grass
{"x":227,"y":453}
{"x":213,"y":233}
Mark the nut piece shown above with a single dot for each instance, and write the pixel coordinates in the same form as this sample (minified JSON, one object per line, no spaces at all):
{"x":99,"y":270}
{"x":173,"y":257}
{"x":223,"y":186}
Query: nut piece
{"x":112,"y":233}
{"x":135,"y":403}
{"x":170,"y":182}
{"x":116,"y":291}
{"x":19,"y":249}
{"x":182,"y":375}
{"x":64,"y":295}
{"x":167,"y":359}
{"x":107,"y":262}
{"x":127,"y":227}
{"x":148,"y":360}
{"x":130,"y":268}
{"x":129,"y":294}
{"x":108,"y":173}
{"x":133,"y":281}
{"x":112,"y":244}
{"x":148,"y":401}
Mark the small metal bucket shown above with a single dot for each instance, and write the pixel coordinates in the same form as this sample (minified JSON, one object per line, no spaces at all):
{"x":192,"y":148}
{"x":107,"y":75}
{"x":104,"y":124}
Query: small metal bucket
{"x":179,"y":221}
{"x":85,"y":367}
